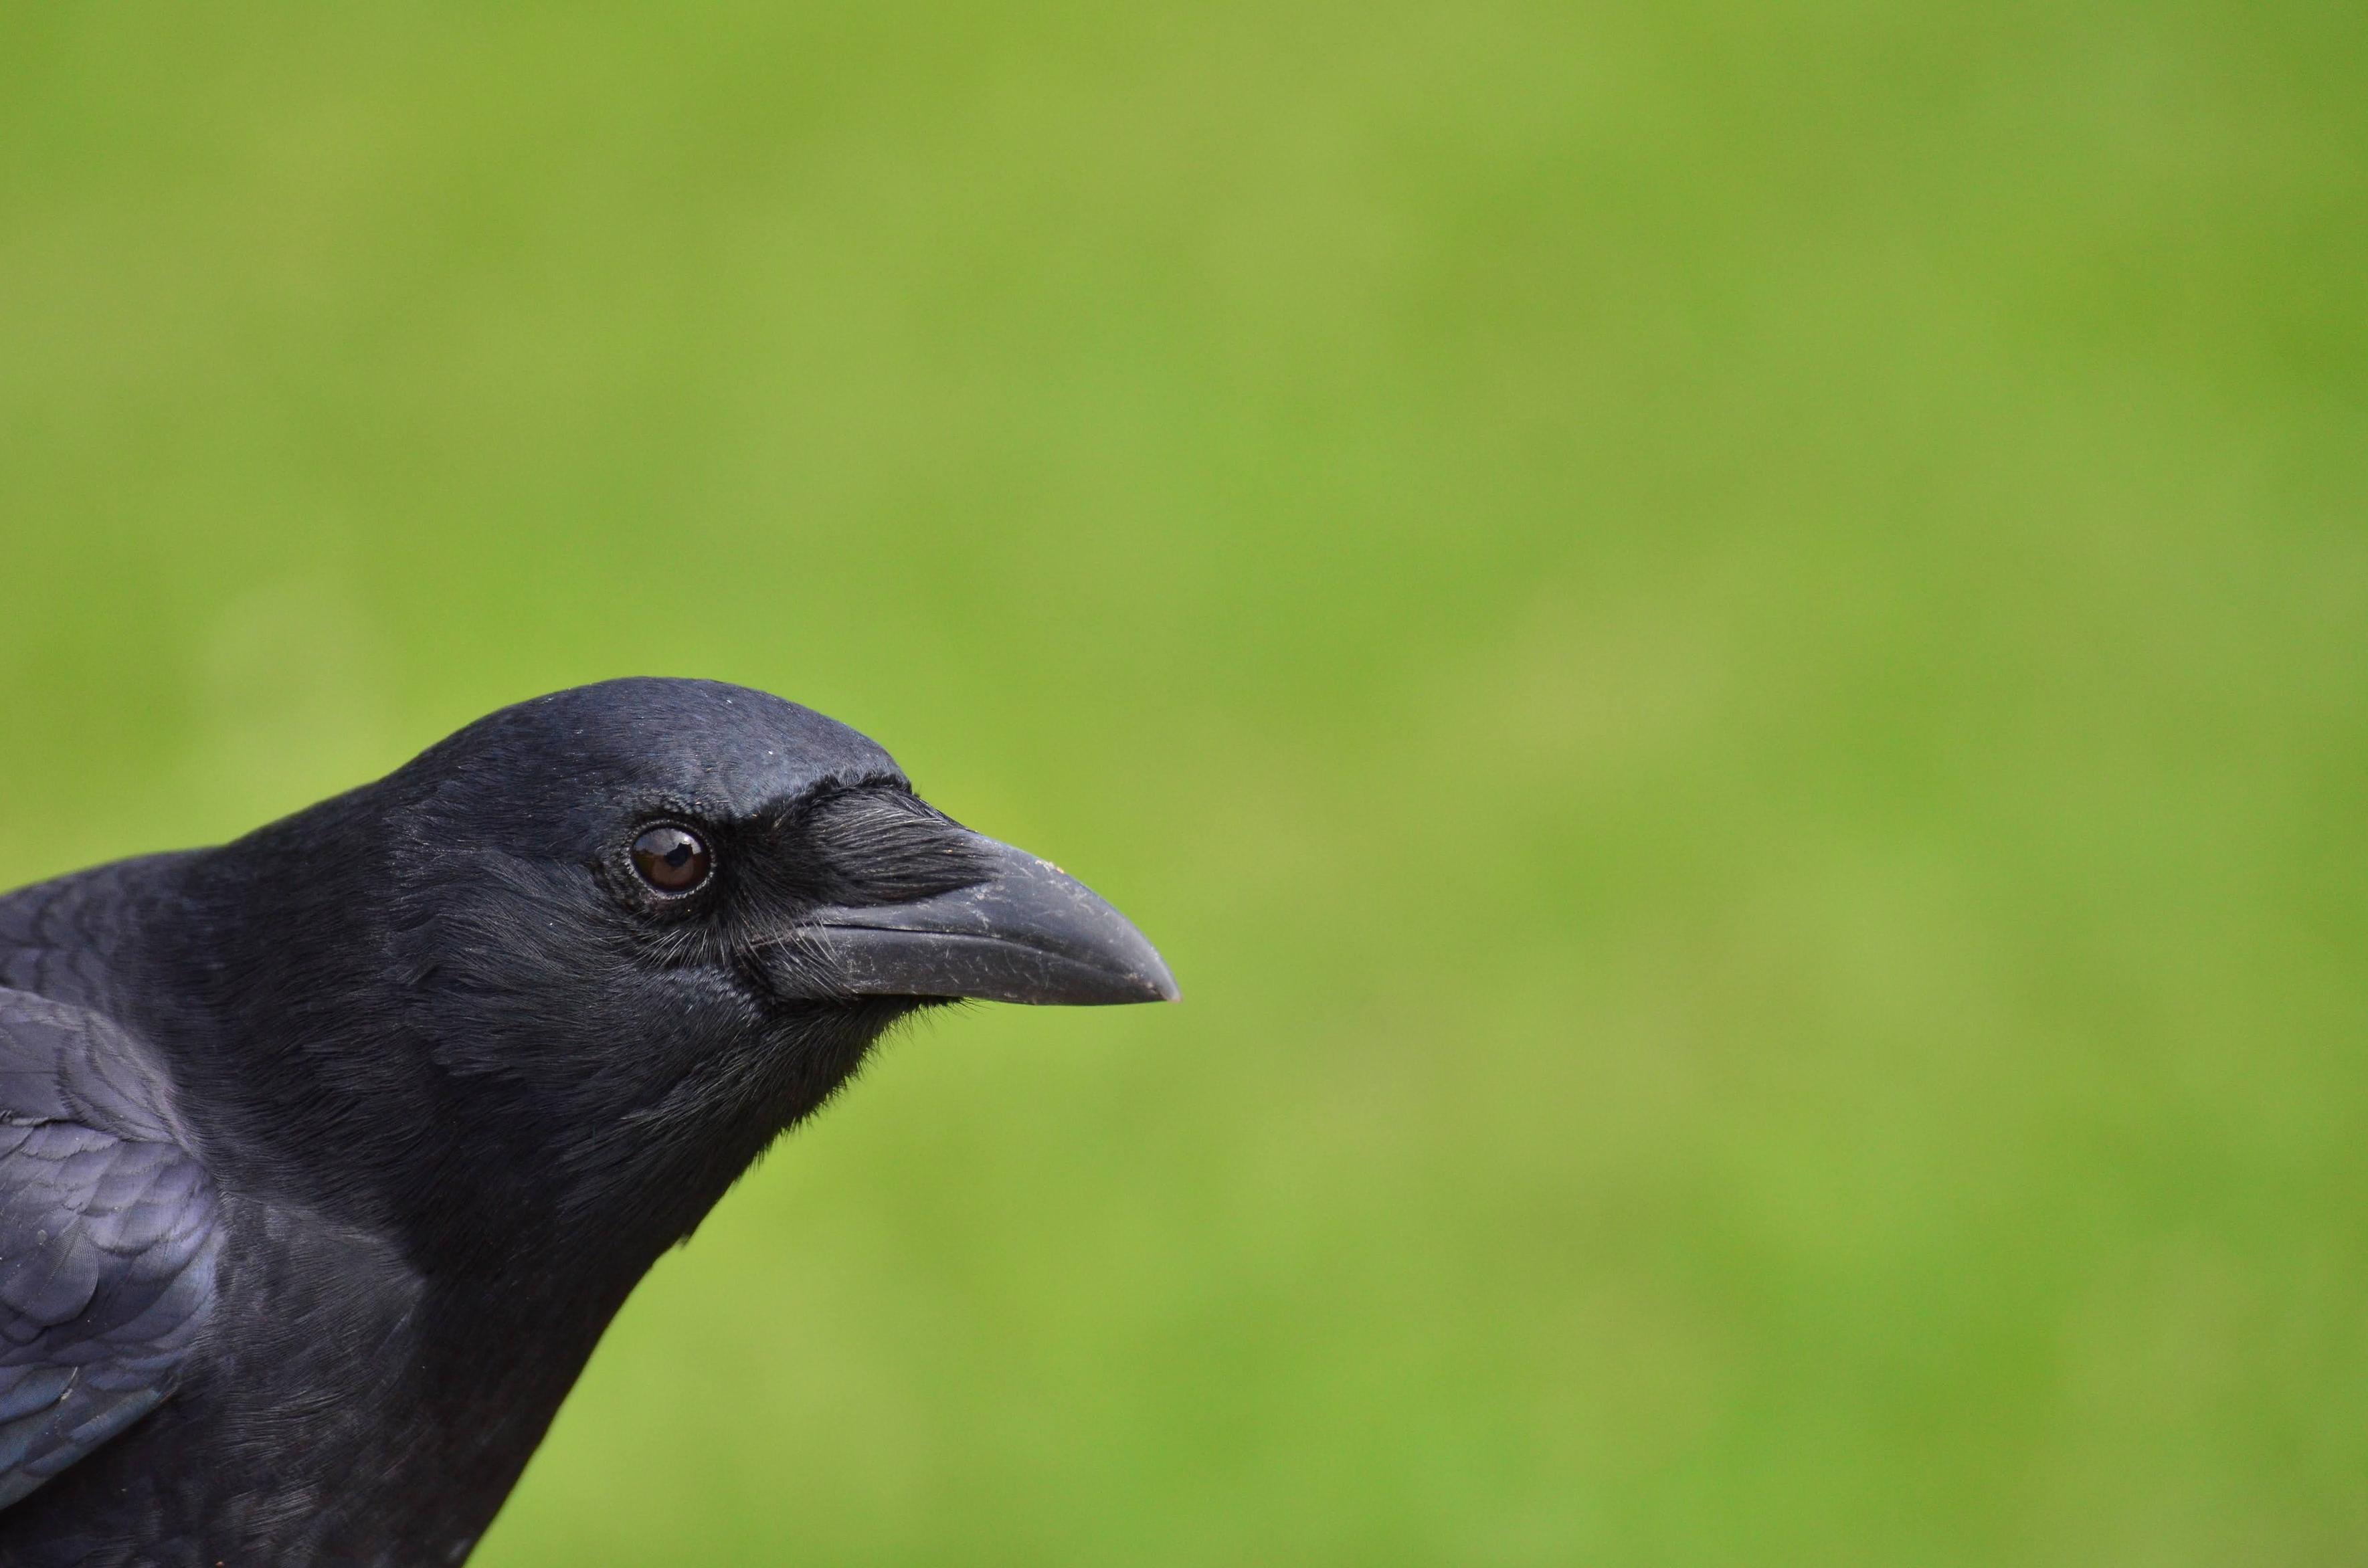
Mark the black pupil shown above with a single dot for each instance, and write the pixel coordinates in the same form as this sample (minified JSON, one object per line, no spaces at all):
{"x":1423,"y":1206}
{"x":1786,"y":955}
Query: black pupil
{"x":671,"y":859}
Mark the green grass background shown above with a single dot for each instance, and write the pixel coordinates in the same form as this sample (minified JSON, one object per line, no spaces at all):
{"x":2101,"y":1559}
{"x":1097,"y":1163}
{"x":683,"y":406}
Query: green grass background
{"x":1727,"y":643}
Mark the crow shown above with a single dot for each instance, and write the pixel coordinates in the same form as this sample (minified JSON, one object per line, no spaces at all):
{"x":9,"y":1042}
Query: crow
{"x":326,"y":1156}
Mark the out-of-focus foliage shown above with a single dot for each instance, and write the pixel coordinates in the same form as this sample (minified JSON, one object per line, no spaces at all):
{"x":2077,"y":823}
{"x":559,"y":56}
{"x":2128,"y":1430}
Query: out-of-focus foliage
{"x":1727,"y":643}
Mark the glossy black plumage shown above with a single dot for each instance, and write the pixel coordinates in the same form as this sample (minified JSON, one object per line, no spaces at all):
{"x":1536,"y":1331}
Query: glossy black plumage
{"x":326,"y":1156}
{"x":107,"y":1239}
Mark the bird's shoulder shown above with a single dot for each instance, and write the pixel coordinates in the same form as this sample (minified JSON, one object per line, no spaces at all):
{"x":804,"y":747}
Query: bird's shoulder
{"x":62,"y":938}
{"x":109,"y":1233}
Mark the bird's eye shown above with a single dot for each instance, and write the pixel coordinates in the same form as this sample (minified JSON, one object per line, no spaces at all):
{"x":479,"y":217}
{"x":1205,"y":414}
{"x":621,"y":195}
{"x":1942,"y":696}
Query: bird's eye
{"x":672,"y":860}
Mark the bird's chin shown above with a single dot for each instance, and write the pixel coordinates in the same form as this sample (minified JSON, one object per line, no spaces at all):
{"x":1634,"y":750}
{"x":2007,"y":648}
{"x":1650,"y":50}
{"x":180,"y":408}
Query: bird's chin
{"x":805,"y":1049}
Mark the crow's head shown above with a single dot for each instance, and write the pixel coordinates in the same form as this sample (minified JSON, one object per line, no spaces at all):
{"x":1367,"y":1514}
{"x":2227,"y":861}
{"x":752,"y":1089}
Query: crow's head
{"x":612,"y":941}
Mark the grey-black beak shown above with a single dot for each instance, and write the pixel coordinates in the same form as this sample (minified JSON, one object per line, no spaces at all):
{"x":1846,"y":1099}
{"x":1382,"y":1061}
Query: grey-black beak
{"x":1026,"y":932}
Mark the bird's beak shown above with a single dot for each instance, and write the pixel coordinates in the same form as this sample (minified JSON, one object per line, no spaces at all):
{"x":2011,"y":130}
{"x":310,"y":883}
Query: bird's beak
{"x":1026,"y":932}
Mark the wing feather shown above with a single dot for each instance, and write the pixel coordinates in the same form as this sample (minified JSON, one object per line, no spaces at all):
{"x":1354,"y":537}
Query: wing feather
{"x":108,"y":1235}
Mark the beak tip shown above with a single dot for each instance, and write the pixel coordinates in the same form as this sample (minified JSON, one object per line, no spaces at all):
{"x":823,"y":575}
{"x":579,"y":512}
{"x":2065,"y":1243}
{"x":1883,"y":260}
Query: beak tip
{"x":1148,"y":974}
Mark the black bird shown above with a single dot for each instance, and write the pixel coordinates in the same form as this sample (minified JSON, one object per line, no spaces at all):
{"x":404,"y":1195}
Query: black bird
{"x":326,"y":1156}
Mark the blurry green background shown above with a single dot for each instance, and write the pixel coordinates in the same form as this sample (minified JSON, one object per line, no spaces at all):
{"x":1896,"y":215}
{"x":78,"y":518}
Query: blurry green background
{"x":1728,"y":645}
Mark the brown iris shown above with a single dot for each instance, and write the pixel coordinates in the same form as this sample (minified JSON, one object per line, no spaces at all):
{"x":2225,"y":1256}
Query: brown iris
{"x":672,"y":860}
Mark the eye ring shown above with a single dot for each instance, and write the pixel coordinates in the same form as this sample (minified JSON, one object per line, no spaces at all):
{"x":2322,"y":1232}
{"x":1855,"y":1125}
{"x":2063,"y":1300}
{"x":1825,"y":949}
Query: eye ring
{"x":672,"y":860}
